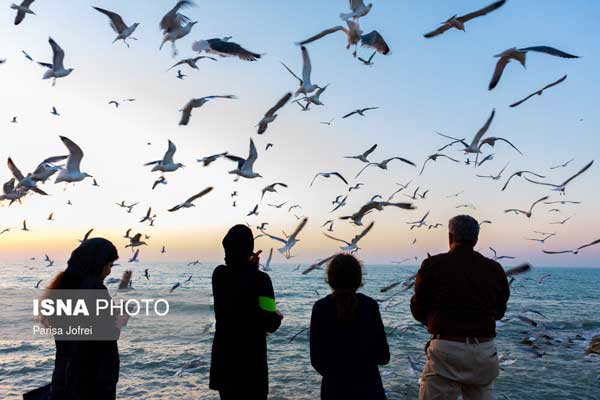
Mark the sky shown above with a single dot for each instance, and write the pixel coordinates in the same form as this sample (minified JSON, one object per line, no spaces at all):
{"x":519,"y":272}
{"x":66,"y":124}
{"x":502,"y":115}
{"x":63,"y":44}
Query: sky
{"x":422,"y":87}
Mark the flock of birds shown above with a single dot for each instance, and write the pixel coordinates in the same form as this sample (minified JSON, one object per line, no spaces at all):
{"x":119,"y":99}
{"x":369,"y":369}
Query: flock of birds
{"x":175,"y":25}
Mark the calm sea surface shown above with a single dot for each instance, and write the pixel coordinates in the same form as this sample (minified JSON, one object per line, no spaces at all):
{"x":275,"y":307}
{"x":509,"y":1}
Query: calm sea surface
{"x":154,"y":349}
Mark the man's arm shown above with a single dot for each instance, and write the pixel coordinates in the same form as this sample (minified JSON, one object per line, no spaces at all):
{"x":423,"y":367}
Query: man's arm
{"x":266,"y":303}
{"x":420,"y":303}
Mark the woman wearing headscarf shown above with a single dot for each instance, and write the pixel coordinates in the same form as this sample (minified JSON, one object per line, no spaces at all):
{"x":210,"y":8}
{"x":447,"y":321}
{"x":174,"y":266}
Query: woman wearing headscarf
{"x":245,"y":313}
{"x":87,"y":369}
{"x":347,"y":338}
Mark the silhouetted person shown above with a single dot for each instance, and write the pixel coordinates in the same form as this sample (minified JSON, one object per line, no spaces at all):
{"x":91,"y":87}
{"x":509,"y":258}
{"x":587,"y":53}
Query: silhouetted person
{"x":459,"y":296}
{"x":245,"y":312}
{"x":347,"y":338}
{"x":87,"y":369}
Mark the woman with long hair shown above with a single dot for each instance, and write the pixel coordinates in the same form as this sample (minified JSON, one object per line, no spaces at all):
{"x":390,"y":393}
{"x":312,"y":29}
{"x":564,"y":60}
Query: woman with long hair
{"x":86,"y":369}
{"x":245,"y":313}
{"x":347,"y":338}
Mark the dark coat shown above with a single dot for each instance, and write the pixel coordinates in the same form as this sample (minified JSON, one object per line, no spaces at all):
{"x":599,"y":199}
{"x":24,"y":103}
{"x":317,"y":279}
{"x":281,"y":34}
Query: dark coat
{"x":244,"y":305}
{"x":460,"y":293}
{"x":86,"y":370}
{"x":347,"y":354}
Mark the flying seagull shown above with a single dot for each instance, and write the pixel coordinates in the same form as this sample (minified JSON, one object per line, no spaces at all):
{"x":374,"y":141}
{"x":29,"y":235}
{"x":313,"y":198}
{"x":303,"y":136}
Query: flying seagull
{"x":360,"y":111}
{"x":434,"y":157}
{"x":134,"y":258}
{"x":520,"y":55}
{"x":24,"y":183}
{"x":224,"y":48}
{"x":72,"y":173}
{"x":520,"y":174}
{"x":491,"y":141}
{"x":329,"y":175}
{"x":459,"y":22}
{"x":359,"y":9}
{"x":363,"y":157}
{"x":161,"y":180}
{"x":191,"y":62}
{"x":352,"y":244}
{"x":384,"y":164}
{"x":196,"y":103}
{"x":54,"y":111}
{"x":419,"y":223}
{"x":180,"y":75}
{"x":563,"y":165}
{"x":166,"y":164}
{"x":494,"y":177}
{"x":22,"y":10}
{"x":271,"y":115}
{"x":574,"y":251}
{"x":175,"y":25}
{"x":56,"y":69}
{"x":306,"y":86}
{"x":254,"y":211}
{"x":245,"y":166}
{"x":357,"y":217}
{"x":119,"y":26}
{"x":497,"y":257}
{"x":206,"y":161}
{"x":317,"y":265}
{"x":271,"y":188}
{"x":189,"y":202}
{"x":526,"y":213}
{"x":291,"y":240}
{"x":474,"y":146}
{"x":562,"y":186}
{"x":136,"y":241}
{"x":539,"y":92}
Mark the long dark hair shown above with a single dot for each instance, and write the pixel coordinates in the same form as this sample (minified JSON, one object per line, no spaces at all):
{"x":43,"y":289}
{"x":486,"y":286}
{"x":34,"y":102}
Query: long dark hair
{"x":344,"y":275}
{"x":84,"y":268}
{"x":238,"y":245}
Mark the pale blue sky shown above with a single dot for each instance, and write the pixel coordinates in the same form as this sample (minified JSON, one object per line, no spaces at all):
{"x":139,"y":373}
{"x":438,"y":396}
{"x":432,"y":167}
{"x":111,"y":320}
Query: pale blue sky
{"x":422,"y":87}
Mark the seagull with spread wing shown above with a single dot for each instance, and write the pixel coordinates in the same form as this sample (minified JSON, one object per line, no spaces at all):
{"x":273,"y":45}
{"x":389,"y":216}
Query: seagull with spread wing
{"x":357,"y":217}
{"x":529,"y":212}
{"x":272,"y":188}
{"x":494,"y":177}
{"x":359,"y":9}
{"x":119,"y":26}
{"x":22,"y":10}
{"x":574,"y":251}
{"x":497,"y":257}
{"x":384,"y":164}
{"x":271,"y":115}
{"x":245,"y":166}
{"x":539,"y":92}
{"x":352,"y":244}
{"x":459,"y":22}
{"x":328,"y":175}
{"x":419,"y":223}
{"x":520,"y":175}
{"x":291,"y":240}
{"x":561,"y":187}
{"x":519,"y":55}
{"x":72,"y":173}
{"x":360,"y":111}
{"x":56,"y":69}
{"x":306,"y":86}
{"x":434,"y":157}
{"x":190,"y":202}
{"x":166,"y":164}
{"x":197,"y":103}
{"x":353,"y":34}
{"x":176,"y":25}
{"x":363,"y":157}
{"x":224,"y":48}
{"x":474,"y":146}
{"x":191,"y":62}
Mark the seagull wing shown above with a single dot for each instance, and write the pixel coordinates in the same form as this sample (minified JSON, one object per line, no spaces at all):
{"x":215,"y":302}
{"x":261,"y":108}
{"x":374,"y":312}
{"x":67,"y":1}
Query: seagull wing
{"x":75,"y":154}
{"x":375,"y":41}
{"x":306,"y":66}
{"x":252,"y":156}
{"x":539,"y":183}
{"x":363,"y":233}
{"x":186,"y":113}
{"x":363,"y":168}
{"x":557,"y":252}
{"x":500,"y":65}
{"x":58,"y":54}
{"x":279,"y":104}
{"x":322,"y":34}
{"x":441,"y":29}
{"x":350,"y":113}
{"x":168,"y":157}
{"x":404,"y":160}
{"x":536,"y":202}
{"x":479,"y":13}
{"x":424,"y":164}
{"x":589,"y":244}
{"x":300,"y":226}
{"x":518,"y":103}
{"x":508,"y":180}
{"x":116,"y":22}
{"x":87,"y":234}
{"x":171,"y":20}
{"x":368,"y":152}
{"x":16,"y":172}
{"x":539,"y":92}
{"x":291,"y":72}
{"x":356,"y":5}
{"x":340,"y":176}
{"x":549,"y":50}
{"x":334,"y":238}
{"x":483,"y":129}
{"x":275,"y":238}
{"x":53,"y":160}
{"x":233,"y":49}
{"x":581,"y":171}
{"x":198,"y":195}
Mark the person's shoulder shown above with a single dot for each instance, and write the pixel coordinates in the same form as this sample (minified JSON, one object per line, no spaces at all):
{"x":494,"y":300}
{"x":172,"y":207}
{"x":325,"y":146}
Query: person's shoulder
{"x":434,"y":260}
{"x":366,"y":299}
{"x":263,"y":276}
{"x":323,"y":302}
{"x":219,"y":270}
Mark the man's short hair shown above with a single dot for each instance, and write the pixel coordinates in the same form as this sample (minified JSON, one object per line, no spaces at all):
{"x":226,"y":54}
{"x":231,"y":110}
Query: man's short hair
{"x":464,"y":229}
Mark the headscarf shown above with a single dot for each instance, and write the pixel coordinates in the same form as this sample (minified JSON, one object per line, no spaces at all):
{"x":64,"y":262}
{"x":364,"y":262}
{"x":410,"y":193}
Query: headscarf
{"x":238,"y":245}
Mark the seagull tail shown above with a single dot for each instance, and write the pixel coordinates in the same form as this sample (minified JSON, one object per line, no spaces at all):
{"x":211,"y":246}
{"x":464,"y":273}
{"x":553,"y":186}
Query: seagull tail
{"x":346,"y":17}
